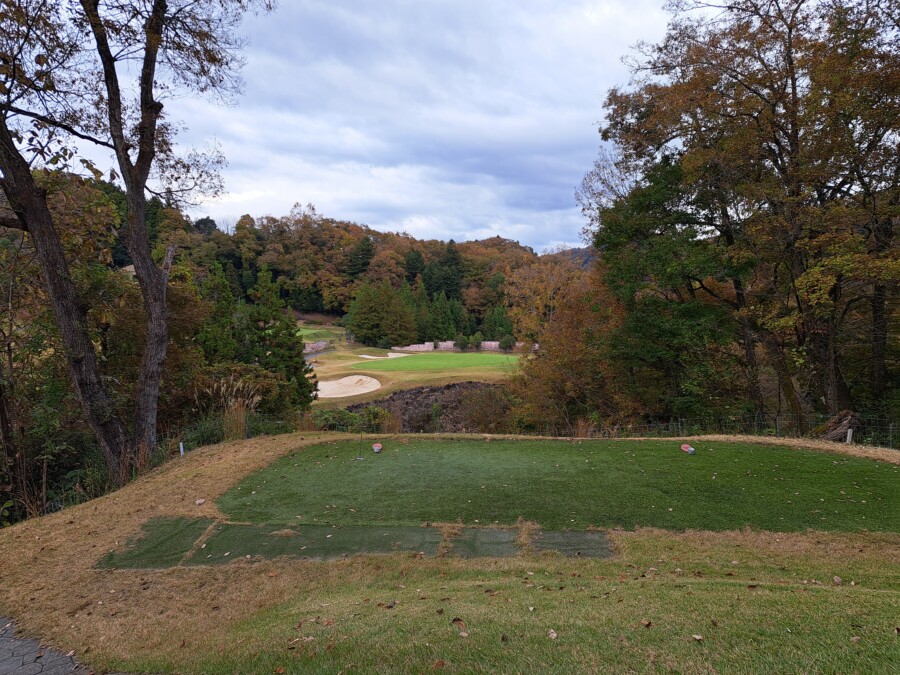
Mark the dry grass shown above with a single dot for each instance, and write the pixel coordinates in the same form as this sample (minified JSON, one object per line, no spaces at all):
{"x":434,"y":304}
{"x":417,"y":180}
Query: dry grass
{"x":49,"y":584}
{"x":864,"y":451}
{"x":47,"y":577}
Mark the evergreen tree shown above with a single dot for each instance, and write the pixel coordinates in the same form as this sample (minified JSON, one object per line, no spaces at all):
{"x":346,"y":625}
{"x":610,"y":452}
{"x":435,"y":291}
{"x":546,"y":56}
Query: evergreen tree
{"x":399,"y":319}
{"x":451,"y":262}
{"x":423,"y":312}
{"x":496,"y":324}
{"x":278,"y":348}
{"x":217,"y":337}
{"x":414,"y":262}
{"x":365,"y":316}
{"x":360,"y":257}
{"x":442,"y":327}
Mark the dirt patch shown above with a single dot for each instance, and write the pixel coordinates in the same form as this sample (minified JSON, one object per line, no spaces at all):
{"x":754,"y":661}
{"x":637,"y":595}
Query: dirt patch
{"x":348,"y":386}
{"x":436,"y":409}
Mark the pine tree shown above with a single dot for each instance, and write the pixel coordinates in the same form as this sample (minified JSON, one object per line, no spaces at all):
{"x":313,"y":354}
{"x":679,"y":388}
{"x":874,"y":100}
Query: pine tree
{"x":278,"y":347}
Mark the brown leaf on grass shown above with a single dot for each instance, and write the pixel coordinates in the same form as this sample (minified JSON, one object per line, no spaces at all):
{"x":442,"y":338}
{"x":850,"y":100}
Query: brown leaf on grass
{"x":328,"y":622}
{"x":459,"y":623}
{"x":752,"y":585}
{"x":646,"y":623}
{"x":552,"y":634}
{"x":438,"y":665}
{"x":272,"y":575}
{"x":279,"y":669}
{"x":855,"y":639}
{"x":698,"y":638}
{"x":440,"y":610}
{"x":504,"y":638}
{"x":463,"y":634}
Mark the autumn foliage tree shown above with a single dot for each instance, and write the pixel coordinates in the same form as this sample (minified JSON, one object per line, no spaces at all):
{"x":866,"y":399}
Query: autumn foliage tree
{"x":758,"y":172}
{"x":65,"y":78}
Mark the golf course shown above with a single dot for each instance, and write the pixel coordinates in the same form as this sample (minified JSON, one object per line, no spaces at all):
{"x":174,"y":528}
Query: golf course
{"x":312,"y":553}
{"x":349,"y":373}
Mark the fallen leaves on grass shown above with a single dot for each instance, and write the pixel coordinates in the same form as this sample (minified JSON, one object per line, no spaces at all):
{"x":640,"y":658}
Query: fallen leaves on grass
{"x":552,"y":634}
{"x":698,"y":638}
{"x":646,"y":623}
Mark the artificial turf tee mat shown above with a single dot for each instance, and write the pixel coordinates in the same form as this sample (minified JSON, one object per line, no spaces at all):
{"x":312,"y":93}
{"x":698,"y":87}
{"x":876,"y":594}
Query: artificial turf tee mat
{"x":167,"y":542}
{"x":575,"y":485}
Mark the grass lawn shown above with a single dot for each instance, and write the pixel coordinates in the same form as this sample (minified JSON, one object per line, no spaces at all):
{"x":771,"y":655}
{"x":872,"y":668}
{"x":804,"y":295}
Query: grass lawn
{"x":570,"y":484}
{"x":690,"y":590}
{"x":443,"y":361}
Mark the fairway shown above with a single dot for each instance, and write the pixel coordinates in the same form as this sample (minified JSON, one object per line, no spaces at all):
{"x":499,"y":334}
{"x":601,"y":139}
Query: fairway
{"x":570,"y":485}
{"x":443,"y":361}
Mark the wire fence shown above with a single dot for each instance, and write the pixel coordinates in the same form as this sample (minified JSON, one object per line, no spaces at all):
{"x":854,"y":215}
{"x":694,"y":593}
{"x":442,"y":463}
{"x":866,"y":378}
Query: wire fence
{"x":871,"y":431}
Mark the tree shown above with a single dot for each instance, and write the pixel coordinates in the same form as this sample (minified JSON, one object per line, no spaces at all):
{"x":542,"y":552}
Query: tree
{"x":783,"y":118}
{"x":533,"y":291}
{"x":277,"y":345}
{"x":54,"y":55}
{"x":414,"y":263}
{"x":360,"y":257}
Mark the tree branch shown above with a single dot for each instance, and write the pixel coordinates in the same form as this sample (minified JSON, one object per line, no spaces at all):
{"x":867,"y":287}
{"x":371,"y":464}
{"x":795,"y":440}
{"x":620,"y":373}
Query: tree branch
{"x":59,"y":125}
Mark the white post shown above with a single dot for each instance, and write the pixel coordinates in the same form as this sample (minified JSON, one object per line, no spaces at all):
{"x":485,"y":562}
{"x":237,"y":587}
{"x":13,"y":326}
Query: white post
{"x":181,"y":447}
{"x":849,"y":435}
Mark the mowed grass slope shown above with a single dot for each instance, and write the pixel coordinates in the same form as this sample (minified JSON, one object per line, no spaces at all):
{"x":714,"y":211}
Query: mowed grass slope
{"x":760,"y":602}
{"x":571,"y":485}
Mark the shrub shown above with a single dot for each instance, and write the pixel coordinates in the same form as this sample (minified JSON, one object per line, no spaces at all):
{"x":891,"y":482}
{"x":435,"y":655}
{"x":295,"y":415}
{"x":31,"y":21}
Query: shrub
{"x":507,"y":343}
{"x":476,"y":341}
{"x":461,"y":343}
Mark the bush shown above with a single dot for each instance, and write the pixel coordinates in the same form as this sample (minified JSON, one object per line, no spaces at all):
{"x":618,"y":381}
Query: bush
{"x":507,"y":343}
{"x":476,"y":341}
{"x":461,"y":343}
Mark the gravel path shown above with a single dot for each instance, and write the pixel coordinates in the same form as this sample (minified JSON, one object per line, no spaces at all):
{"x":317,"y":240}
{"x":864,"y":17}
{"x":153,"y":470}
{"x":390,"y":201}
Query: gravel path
{"x":22,"y":656}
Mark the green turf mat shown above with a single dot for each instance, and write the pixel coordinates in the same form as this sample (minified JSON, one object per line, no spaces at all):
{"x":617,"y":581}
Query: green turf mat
{"x":477,"y":542}
{"x":162,"y":543}
{"x":573,"y":544}
{"x":229,"y":542}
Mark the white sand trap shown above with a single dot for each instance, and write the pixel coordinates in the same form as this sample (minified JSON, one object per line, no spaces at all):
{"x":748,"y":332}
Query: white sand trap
{"x":348,"y":386}
{"x":391,"y":355}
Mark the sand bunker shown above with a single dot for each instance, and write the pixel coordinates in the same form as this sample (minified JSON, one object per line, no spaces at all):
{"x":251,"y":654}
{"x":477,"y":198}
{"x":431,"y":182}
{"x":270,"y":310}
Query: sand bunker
{"x":348,"y":386}
{"x":391,"y":355}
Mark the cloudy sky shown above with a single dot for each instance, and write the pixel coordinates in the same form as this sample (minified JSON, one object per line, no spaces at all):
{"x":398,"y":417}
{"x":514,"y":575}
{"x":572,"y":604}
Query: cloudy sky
{"x":445,"y":119}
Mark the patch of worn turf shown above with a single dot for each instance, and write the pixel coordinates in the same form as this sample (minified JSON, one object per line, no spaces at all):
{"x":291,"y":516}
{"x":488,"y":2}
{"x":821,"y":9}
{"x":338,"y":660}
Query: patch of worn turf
{"x":230,"y":542}
{"x":571,"y":485}
{"x":478,"y":542}
{"x":573,"y":544}
{"x":162,"y":543}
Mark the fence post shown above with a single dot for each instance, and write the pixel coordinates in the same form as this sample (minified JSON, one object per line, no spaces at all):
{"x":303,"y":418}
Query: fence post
{"x":850,"y":435}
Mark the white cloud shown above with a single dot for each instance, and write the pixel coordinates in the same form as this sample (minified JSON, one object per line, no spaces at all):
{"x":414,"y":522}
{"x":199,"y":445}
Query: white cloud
{"x":444,"y":118}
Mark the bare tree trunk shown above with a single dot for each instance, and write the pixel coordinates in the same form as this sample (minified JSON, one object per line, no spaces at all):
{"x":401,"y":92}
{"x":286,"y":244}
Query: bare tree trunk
{"x":153,"y":282}
{"x":30,"y":205}
{"x":884,"y":234}
{"x":785,"y":381}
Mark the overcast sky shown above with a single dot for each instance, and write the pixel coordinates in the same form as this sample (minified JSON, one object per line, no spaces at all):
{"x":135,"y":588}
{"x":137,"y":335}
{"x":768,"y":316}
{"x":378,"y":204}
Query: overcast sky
{"x":445,"y":119}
